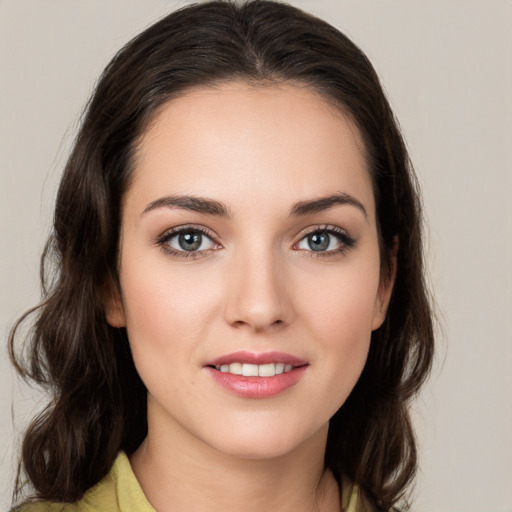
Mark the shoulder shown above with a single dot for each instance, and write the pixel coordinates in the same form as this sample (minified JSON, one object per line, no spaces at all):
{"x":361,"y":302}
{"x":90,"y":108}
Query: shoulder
{"x":119,"y":491}
{"x":47,"y":506}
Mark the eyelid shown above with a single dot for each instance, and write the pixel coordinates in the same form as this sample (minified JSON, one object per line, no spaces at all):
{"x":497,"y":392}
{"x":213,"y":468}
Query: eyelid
{"x":345,"y":239}
{"x":329,"y":228}
{"x":162,"y":239}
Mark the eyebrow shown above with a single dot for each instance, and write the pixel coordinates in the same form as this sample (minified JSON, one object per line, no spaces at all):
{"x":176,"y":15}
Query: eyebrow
{"x":324,"y":203}
{"x":191,"y":203}
{"x":211,"y":207}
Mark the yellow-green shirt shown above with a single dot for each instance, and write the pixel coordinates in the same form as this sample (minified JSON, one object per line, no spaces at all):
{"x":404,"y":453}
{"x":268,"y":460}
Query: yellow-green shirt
{"x":120,"y":491}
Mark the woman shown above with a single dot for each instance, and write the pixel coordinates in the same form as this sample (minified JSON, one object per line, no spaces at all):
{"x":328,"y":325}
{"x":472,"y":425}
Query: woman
{"x":238,"y":317}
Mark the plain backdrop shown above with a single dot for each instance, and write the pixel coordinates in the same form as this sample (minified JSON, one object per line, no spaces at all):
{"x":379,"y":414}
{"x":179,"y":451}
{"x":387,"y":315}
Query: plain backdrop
{"x":446,"y":66}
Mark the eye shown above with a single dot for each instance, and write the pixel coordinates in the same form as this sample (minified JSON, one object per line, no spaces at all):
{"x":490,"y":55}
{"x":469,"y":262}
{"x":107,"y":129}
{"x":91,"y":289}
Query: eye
{"x":190,"y":240}
{"x":187,"y":242}
{"x":330,"y":240}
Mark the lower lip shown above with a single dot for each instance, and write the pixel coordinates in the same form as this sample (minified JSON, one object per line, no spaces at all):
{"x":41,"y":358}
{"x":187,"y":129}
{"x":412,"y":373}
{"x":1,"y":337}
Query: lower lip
{"x":257,"y":387}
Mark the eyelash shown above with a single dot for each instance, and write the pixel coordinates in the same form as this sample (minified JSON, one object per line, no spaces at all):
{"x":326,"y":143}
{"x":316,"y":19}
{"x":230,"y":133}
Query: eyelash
{"x":164,"y":239}
{"x":345,"y":240}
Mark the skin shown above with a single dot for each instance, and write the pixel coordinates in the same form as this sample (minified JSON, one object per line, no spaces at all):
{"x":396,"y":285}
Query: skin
{"x":256,"y":286}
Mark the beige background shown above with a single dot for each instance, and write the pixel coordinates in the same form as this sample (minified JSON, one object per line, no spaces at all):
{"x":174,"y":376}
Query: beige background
{"x":446,"y":66}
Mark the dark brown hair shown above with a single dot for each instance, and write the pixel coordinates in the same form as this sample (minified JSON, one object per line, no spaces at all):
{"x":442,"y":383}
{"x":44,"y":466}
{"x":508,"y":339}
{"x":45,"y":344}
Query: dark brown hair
{"x":98,"y":402}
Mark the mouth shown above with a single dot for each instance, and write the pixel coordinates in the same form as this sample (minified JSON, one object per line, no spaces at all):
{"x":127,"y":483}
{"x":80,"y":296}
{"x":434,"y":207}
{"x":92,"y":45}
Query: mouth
{"x":250,"y":364}
{"x":255,"y":370}
{"x":252,"y":375}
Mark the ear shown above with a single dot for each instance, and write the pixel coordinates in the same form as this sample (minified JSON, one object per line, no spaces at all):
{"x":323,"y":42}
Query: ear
{"x":113,"y":306}
{"x":385,"y":290}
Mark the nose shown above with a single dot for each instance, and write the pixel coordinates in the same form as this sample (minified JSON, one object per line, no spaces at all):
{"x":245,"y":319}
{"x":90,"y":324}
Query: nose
{"x":258,"y":297}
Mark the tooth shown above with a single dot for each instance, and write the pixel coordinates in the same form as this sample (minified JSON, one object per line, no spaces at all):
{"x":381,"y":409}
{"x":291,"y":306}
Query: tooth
{"x":235,"y":368}
{"x":279,"y":368}
{"x":287,"y":367}
{"x":250,"y":370}
{"x":224,"y":368}
{"x":267,"y":370}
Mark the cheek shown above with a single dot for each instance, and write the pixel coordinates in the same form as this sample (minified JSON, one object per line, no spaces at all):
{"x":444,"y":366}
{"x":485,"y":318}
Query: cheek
{"x":165,"y":324}
{"x":166,"y":311}
{"x":345,"y":334}
{"x":339,"y":310}
{"x":341,"y":302}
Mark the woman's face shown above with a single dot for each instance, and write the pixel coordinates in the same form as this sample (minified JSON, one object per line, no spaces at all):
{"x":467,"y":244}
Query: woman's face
{"x":249,"y":267}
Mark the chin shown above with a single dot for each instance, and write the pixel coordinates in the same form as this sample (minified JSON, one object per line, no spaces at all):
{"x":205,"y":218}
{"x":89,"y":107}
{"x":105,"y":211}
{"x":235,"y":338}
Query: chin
{"x":266,"y":442}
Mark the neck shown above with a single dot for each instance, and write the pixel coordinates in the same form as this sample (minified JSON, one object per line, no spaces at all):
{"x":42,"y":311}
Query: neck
{"x":179,"y":472}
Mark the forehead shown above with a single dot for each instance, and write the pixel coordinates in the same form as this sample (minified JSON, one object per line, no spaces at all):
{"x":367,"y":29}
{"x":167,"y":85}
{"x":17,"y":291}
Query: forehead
{"x":272,"y":141}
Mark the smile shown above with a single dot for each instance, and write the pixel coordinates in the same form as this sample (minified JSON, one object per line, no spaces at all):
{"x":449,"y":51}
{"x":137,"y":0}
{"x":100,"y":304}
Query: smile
{"x":257,"y":375}
{"x":255,"y":370}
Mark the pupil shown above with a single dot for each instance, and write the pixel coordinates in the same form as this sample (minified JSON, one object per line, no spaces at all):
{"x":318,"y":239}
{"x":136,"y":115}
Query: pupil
{"x":190,"y":241}
{"x":318,"y":241}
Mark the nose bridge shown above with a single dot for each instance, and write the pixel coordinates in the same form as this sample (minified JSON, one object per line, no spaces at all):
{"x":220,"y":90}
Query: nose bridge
{"x":258,"y":297}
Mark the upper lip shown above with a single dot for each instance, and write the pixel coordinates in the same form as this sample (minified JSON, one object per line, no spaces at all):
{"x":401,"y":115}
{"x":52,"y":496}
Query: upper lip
{"x":244,"y":356}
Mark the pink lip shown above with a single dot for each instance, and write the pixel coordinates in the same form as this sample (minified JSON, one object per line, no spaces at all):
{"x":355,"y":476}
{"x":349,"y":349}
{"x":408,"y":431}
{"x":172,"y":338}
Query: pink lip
{"x":244,"y":356}
{"x":257,"y":387}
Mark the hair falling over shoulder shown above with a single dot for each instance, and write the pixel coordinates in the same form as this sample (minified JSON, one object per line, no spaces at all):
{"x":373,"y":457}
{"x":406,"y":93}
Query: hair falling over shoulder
{"x":97,"y":402}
